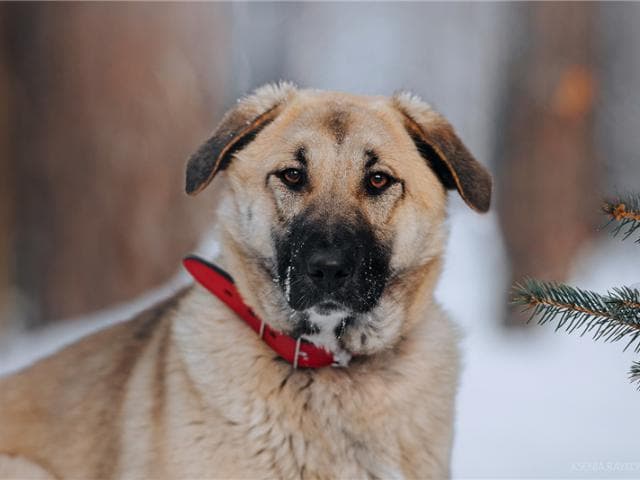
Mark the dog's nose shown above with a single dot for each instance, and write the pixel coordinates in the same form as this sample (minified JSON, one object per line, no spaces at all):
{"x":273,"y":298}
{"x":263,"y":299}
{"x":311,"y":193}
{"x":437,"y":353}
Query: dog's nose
{"x":329,"y":269}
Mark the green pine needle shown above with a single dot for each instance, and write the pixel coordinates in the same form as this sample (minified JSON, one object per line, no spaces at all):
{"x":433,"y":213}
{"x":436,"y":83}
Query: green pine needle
{"x":634,"y":373}
{"x":611,"y":317}
{"x":625,"y":213}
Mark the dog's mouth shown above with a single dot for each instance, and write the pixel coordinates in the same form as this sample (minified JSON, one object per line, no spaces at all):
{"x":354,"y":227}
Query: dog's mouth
{"x":328,"y":307}
{"x":339,"y":328}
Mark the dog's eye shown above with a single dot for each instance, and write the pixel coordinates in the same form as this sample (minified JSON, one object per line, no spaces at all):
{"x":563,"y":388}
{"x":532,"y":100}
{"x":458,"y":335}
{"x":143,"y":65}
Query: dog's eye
{"x":292,"y":177}
{"x":377,"y":182}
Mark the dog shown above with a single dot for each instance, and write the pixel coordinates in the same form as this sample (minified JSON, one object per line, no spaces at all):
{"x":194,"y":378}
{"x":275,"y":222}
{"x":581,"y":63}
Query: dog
{"x":331,"y":223}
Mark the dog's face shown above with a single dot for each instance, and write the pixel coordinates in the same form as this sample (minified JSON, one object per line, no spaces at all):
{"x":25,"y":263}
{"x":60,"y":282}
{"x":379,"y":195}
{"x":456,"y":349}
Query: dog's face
{"x":336,"y":205}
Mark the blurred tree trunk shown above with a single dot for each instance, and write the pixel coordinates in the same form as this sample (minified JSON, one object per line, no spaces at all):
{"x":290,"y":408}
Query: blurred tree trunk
{"x":112,"y":99}
{"x":618,"y":111}
{"x":549,"y":175}
{"x":5,"y":180}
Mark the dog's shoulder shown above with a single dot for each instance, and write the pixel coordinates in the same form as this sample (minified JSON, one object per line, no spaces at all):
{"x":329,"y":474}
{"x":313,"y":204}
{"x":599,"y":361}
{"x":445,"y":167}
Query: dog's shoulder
{"x":68,"y":397}
{"x":95,"y":354}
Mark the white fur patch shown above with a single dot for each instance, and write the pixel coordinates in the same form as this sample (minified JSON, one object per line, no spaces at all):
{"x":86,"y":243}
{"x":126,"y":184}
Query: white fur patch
{"x":326,"y":338}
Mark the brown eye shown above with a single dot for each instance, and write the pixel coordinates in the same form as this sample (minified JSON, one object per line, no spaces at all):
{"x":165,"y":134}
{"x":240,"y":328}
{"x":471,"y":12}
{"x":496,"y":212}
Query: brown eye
{"x":377,"y":182}
{"x":292,"y":177}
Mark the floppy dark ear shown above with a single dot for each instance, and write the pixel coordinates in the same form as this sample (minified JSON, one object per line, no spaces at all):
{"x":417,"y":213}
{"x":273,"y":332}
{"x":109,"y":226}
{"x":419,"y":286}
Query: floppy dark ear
{"x":238,"y":127}
{"x":447,"y":156}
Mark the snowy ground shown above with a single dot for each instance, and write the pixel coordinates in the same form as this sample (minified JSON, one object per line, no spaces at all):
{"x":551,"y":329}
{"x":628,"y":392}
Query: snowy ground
{"x":545,"y":404}
{"x":537,"y":405}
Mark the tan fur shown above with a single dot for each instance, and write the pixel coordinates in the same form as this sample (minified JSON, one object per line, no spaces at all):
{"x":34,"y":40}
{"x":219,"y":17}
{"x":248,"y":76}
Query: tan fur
{"x":186,"y":390}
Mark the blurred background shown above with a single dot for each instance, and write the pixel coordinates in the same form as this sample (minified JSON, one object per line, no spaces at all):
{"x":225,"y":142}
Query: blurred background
{"x":101,"y":104}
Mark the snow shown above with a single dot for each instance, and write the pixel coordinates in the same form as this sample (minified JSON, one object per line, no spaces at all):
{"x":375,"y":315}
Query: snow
{"x":540,"y":404}
{"x":535,"y":404}
{"x":287,"y":284}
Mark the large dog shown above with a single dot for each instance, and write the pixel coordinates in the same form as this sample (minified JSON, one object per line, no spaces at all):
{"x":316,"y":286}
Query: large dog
{"x":332,"y":227}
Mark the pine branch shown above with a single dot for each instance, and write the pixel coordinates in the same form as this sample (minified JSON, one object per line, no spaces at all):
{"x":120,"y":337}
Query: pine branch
{"x":611,"y":317}
{"x":626,"y":212}
{"x":634,"y":373}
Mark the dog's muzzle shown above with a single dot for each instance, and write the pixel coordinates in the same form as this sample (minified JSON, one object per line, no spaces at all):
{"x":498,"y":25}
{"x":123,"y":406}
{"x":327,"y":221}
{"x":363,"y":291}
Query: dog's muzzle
{"x":321,"y":263}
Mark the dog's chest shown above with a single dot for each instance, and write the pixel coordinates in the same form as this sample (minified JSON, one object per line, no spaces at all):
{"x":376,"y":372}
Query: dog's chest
{"x":304,"y":433}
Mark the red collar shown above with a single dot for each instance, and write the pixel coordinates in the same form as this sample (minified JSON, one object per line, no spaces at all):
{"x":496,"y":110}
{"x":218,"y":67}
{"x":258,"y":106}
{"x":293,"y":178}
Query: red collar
{"x":297,"y":352}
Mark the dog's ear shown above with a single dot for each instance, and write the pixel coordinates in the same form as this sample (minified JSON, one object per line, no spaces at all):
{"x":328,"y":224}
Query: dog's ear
{"x":238,"y":127}
{"x":447,"y":156}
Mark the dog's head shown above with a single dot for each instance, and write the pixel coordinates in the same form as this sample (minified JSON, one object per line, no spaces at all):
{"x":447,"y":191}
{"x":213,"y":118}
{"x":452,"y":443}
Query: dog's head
{"x":337,"y":203}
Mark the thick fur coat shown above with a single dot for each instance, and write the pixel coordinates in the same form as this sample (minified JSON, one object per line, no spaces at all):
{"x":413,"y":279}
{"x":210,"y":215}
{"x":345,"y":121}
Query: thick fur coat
{"x":187,"y":390}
